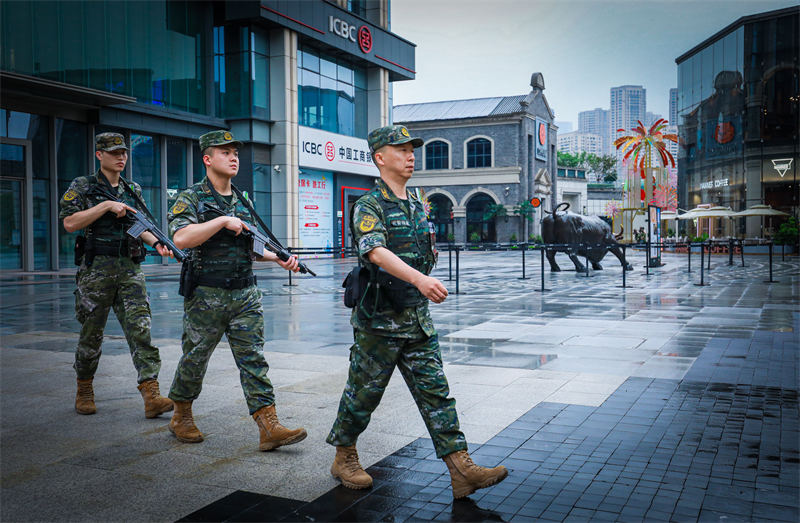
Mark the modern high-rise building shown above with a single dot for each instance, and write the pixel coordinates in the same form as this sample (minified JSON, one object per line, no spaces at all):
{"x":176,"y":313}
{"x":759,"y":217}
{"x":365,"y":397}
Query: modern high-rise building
{"x":673,"y":106}
{"x":300,"y":83}
{"x":597,"y":122}
{"x":628,"y":106}
{"x":739,"y":121}
{"x":577,"y":142}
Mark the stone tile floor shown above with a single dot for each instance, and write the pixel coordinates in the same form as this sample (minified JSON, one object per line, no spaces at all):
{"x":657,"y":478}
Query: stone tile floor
{"x":660,"y":401}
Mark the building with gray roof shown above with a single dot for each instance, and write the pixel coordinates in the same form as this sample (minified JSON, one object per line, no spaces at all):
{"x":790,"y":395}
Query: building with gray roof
{"x":481,"y":154}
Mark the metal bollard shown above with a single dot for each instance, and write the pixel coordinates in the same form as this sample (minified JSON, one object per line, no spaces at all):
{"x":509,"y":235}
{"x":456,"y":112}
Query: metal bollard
{"x":290,"y":284}
{"x":730,"y":251}
{"x":647,"y":258}
{"x":709,"y":258}
{"x":702,"y":264}
{"x":541,"y":250}
{"x":449,"y":261}
{"x":689,"y":249}
{"x":457,"y":271}
{"x":624,"y":265}
{"x":770,"y":266}
{"x":741,"y":251}
{"x":524,"y":248}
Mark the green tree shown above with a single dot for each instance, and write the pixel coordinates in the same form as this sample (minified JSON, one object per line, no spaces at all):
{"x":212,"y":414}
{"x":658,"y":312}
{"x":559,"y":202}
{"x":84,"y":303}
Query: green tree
{"x":604,"y":165}
{"x":568,"y":160}
{"x":495,"y":210}
{"x":787,"y":233}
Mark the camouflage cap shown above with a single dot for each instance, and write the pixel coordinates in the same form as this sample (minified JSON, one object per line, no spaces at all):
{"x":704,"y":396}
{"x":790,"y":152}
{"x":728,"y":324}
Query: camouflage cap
{"x":215,"y":138}
{"x":391,"y":135}
{"x":109,"y":142}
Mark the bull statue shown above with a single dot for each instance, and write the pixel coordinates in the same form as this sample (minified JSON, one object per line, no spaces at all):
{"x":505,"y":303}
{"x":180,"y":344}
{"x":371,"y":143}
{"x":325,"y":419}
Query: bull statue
{"x":568,"y":227}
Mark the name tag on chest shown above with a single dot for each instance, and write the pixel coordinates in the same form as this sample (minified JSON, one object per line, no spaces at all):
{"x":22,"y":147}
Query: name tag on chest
{"x":400,"y":223}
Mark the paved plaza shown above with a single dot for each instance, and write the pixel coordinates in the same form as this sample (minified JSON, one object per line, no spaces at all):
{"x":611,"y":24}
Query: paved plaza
{"x":661,"y":401}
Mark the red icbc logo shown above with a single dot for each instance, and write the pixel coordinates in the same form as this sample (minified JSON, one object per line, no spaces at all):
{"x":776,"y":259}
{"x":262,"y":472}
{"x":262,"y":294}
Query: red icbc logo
{"x":542,"y":134}
{"x":365,"y":39}
{"x":330,"y":151}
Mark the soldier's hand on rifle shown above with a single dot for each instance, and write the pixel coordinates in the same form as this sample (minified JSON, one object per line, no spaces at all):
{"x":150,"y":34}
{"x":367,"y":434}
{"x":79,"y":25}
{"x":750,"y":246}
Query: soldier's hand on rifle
{"x":119,"y":208}
{"x":236,"y":225}
{"x":163,"y":250}
{"x":291,"y":264}
{"x":432,"y":289}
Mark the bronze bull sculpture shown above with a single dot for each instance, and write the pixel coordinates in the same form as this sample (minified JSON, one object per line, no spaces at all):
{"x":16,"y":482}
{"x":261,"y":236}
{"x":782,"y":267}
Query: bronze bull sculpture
{"x":568,"y":227}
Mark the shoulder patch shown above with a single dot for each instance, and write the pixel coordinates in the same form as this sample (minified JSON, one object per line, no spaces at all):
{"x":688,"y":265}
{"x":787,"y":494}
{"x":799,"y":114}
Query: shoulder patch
{"x":179,"y":207}
{"x":70,"y":195}
{"x":367,"y":223}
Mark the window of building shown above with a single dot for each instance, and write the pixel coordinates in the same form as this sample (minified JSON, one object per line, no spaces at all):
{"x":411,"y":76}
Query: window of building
{"x":479,"y":153}
{"x":145,"y":158}
{"x":151,"y":50}
{"x":332,"y":93}
{"x":357,"y":7}
{"x":241,"y":72}
{"x":437,"y":155}
{"x":441,"y":216}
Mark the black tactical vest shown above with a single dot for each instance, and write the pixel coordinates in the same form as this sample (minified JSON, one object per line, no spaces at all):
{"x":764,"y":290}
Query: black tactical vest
{"x":224,"y":255}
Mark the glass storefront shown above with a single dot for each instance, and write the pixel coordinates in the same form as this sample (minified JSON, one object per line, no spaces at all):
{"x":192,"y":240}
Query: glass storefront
{"x":152,"y":50}
{"x":738,"y":118}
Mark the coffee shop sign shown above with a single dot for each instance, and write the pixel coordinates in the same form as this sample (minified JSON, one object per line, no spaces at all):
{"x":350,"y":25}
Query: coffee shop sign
{"x":715,"y":183}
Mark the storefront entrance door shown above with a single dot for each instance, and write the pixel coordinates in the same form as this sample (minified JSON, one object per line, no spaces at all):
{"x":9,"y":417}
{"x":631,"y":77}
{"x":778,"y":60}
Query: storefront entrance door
{"x":15,"y":211}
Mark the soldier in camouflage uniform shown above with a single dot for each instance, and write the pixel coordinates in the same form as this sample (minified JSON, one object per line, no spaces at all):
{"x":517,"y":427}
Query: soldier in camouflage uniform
{"x":110,"y":276}
{"x":393,"y":234}
{"x":221,"y":296}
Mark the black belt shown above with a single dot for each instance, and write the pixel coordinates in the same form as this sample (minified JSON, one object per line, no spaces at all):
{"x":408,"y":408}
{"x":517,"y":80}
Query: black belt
{"x":118,"y":248}
{"x":226,"y":283}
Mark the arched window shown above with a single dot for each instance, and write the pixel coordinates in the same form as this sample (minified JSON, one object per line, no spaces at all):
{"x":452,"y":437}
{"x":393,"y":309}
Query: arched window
{"x":441,"y":216}
{"x":479,"y":153}
{"x":479,"y":229}
{"x":437,"y":155}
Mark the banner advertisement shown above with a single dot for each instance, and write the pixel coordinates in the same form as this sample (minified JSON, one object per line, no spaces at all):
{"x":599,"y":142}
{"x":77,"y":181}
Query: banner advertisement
{"x":334,"y":152}
{"x":315,"y":198}
{"x":541,"y":140}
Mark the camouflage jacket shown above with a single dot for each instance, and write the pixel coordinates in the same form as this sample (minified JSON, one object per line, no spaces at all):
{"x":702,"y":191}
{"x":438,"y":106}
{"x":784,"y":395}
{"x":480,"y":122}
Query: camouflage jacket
{"x":381,"y":219}
{"x":80,"y":197}
{"x":224,"y":254}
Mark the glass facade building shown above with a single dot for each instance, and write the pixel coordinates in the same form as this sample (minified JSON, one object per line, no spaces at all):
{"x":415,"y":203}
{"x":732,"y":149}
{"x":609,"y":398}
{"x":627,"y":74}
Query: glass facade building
{"x":163,"y":72}
{"x":738,"y":96}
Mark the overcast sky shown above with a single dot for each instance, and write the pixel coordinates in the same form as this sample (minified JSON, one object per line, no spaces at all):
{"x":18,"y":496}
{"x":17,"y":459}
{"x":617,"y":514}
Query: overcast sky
{"x":484,"y":48}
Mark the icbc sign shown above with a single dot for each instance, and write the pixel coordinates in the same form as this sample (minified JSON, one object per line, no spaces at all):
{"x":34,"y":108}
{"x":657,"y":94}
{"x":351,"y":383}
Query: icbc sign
{"x":348,"y":32}
{"x":365,"y":39}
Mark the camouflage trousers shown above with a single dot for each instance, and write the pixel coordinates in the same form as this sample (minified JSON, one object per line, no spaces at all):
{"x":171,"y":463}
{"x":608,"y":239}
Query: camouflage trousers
{"x":207,"y":315}
{"x":372,"y":361}
{"x":116,"y":283}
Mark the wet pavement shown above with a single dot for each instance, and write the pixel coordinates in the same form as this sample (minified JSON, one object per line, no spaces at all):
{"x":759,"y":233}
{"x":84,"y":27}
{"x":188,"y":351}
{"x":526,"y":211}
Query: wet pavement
{"x":662,"y":401}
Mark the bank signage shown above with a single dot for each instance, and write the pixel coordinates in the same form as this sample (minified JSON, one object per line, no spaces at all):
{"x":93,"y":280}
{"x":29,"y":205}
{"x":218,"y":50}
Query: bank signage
{"x":541,"y":139}
{"x":333,"y":26}
{"x":315,"y":199}
{"x":360,"y":35}
{"x":334,"y":152}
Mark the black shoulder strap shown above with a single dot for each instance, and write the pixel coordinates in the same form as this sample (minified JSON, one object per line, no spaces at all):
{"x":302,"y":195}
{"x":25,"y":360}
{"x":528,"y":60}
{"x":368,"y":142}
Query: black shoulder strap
{"x":256,"y":217}
{"x":141,"y":205}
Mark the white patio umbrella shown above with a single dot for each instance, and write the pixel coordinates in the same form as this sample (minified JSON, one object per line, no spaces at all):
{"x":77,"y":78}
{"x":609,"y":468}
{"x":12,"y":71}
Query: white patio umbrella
{"x":711,"y":212}
{"x":760,"y":210}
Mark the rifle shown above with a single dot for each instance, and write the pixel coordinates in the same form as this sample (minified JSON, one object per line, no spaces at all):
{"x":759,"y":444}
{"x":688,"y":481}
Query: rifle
{"x":141,"y":223}
{"x":261,"y":241}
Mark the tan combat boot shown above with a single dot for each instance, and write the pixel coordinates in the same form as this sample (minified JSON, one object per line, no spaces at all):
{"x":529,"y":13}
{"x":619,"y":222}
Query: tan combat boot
{"x":347,"y":468}
{"x":84,"y":399}
{"x":182,"y":423}
{"x":154,"y":402}
{"x":271,"y":433}
{"x":466,"y":477}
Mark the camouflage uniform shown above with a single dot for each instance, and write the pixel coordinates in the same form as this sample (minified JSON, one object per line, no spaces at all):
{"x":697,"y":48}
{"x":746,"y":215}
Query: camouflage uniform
{"x":214,"y":310}
{"x":110,"y":281}
{"x":385,"y":338}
